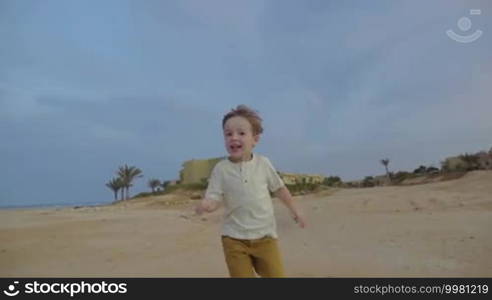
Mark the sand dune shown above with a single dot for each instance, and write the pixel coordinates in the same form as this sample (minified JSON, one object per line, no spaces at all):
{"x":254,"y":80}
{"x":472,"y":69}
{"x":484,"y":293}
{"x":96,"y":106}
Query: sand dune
{"x":429,"y":230}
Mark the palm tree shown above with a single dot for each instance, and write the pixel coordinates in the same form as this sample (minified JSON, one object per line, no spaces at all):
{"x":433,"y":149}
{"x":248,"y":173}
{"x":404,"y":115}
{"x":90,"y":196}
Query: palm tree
{"x":127,"y":175}
{"x":154,"y":183}
{"x":115,"y":185}
{"x":385,"y":163}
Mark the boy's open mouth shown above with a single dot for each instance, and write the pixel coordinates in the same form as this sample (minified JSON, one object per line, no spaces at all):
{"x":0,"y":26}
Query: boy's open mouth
{"x":236,"y":147}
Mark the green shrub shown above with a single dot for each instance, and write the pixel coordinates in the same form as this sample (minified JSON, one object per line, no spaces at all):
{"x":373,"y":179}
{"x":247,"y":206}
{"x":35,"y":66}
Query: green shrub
{"x":332,"y":181}
{"x":299,"y":188}
{"x":462,"y":163}
{"x":471,"y":161}
{"x":172,"y":188}
{"x":368,"y":181}
{"x":420,"y":170}
{"x":400,"y":176}
{"x":187,"y":187}
{"x":432,"y":170}
{"x":149,"y":194}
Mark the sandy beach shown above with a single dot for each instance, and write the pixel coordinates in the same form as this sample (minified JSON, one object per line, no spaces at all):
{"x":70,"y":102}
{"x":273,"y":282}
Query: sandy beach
{"x":440,"y":229}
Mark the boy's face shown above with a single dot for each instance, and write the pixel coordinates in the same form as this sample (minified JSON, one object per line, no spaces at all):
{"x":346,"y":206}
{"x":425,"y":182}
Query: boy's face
{"x":239,"y":138}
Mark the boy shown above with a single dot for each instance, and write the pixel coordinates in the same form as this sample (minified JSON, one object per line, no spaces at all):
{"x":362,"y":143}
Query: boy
{"x":243,"y":183}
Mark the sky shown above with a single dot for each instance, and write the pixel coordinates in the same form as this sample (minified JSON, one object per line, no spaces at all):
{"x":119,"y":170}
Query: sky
{"x":88,"y":86}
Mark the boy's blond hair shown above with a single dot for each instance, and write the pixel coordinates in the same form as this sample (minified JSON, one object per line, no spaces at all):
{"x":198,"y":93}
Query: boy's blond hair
{"x":247,"y":113}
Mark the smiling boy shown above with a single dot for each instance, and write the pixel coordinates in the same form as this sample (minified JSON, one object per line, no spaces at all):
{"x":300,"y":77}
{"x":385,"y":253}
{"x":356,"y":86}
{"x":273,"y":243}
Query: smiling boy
{"x":242,"y":183}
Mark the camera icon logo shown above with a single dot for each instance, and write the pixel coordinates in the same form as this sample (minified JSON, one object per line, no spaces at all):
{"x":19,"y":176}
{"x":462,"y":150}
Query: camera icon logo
{"x":11,"y":290}
{"x":464,"y":24}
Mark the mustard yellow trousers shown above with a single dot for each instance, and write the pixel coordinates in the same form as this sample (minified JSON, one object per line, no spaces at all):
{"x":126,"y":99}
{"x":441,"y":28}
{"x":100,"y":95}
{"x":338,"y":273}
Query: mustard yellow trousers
{"x":248,"y":258}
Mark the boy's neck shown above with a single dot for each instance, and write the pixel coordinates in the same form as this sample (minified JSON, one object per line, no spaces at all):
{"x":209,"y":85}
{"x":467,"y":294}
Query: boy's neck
{"x":247,"y":158}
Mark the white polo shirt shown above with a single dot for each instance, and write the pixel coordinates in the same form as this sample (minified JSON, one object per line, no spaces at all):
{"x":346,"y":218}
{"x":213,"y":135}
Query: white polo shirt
{"x":244,"y":188}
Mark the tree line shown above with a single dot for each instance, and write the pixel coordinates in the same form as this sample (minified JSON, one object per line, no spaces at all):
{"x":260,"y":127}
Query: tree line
{"x":126,"y":175}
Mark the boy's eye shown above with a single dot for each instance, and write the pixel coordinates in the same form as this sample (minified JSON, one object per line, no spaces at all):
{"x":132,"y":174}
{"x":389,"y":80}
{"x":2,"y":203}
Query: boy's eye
{"x":242,"y":133}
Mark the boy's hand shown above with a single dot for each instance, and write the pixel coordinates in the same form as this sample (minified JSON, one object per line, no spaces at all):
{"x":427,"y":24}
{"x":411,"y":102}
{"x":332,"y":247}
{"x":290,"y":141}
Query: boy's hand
{"x":300,"y":221}
{"x":205,"y":205}
{"x":200,"y":208}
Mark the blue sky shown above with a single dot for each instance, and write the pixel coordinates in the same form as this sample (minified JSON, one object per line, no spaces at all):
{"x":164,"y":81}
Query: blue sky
{"x":87,"y":86}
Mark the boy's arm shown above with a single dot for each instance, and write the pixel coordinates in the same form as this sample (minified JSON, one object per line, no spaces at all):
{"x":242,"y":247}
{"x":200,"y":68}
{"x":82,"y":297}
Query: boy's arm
{"x":284,"y":195}
{"x":213,"y":194}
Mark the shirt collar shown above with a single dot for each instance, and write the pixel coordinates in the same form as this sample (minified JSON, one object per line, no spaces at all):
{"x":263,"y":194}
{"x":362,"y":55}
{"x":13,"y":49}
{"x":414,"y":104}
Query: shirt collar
{"x":244,"y":162}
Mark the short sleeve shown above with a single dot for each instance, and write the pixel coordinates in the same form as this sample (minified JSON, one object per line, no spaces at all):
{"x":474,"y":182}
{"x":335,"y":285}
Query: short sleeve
{"x":273,"y":179}
{"x":215,"y":187}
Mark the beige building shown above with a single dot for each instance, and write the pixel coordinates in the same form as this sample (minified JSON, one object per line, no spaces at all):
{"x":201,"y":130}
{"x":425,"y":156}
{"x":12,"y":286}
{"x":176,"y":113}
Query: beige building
{"x":485,"y":160}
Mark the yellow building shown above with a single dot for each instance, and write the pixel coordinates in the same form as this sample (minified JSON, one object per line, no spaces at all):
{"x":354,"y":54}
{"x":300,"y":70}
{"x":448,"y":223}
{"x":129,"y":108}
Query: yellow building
{"x":292,"y":178}
{"x":197,"y":170}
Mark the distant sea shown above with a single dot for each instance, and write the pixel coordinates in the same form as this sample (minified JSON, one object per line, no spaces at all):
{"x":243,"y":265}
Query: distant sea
{"x":50,"y":205}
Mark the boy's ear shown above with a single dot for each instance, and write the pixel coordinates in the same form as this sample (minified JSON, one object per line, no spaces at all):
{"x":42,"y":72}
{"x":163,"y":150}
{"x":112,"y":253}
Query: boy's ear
{"x":256,"y":138}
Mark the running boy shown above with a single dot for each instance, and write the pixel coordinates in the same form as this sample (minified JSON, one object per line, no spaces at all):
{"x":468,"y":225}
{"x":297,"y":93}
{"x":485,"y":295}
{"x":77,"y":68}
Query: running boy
{"x":242,"y":183}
